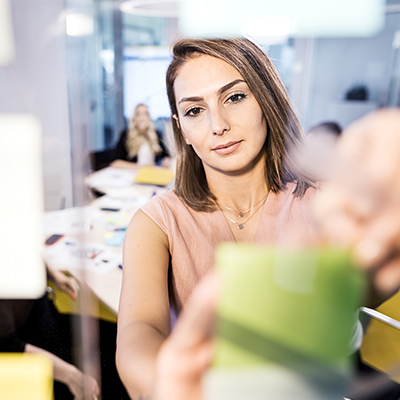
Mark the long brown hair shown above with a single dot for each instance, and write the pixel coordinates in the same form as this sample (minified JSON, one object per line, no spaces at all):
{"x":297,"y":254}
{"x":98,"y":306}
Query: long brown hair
{"x":284,"y":134}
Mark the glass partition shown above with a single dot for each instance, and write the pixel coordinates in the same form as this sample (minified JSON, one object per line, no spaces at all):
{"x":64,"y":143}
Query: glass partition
{"x":81,"y":67}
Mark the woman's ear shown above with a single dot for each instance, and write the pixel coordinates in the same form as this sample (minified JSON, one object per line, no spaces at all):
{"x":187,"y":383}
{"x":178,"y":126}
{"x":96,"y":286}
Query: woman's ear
{"x":175,"y":117}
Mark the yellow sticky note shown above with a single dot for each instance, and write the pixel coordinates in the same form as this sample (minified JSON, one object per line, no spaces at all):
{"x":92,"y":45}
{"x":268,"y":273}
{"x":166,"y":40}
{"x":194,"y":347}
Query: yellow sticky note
{"x":25,"y":376}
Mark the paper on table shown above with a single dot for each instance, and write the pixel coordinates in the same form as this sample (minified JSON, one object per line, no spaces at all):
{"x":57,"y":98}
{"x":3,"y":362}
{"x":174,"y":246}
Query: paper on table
{"x":74,"y":254}
{"x":141,"y":193}
{"x":69,"y":221}
{"x":115,"y":220}
{"x":111,"y":178}
{"x":119,"y":203}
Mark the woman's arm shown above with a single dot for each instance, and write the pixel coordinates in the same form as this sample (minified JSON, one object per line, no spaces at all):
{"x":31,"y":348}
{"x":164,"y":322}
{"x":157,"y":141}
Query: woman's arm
{"x":163,"y":157}
{"x":120,"y":152}
{"x":186,"y":355}
{"x":76,"y":380}
{"x":143,"y":317}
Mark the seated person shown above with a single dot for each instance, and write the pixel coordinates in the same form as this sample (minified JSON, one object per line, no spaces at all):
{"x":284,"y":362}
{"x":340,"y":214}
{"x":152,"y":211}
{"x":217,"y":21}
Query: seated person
{"x":328,"y":127}
{"x":140,"y":144}
{"x":35,"y":326}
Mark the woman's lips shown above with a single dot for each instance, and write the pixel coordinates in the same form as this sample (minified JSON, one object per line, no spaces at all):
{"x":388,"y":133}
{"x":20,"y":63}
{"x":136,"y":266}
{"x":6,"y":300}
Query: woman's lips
{"x":227,"y":148}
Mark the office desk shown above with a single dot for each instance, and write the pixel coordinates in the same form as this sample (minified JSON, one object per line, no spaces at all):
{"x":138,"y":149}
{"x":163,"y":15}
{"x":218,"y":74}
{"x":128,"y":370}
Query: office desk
{"x":105,"y":285}
{"x":131,"y":183}
{"x":123,"y":195}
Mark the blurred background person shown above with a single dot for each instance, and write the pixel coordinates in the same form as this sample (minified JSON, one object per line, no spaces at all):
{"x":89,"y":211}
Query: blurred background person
{"x":140,"y":144}
{"x":331,"y":128}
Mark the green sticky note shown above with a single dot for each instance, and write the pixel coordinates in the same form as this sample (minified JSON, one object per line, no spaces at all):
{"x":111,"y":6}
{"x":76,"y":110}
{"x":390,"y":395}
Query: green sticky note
{"x":285,"y":305}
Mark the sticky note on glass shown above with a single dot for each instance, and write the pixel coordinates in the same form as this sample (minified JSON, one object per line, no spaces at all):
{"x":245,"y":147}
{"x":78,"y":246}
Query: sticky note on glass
{"x":22,"y":271}
{"x":279,"y":305}
{"x":7,"y":45}
{"x":26,"y":376}
{"x":328,"y":18}
{"x":155,"y":176}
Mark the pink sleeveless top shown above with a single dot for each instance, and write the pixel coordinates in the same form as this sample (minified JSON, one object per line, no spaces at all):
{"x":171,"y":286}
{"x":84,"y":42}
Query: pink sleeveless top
{"x":193,"y":235}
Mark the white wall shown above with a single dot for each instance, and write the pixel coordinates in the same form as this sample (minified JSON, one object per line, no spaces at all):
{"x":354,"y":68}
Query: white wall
{"x":339,"y":64}
{"x":36,"y":83}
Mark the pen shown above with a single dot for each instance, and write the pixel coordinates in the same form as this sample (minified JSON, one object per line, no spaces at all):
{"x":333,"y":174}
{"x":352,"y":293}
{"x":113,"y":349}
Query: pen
{"x":381,"y":317}
{"x":119,"y":266}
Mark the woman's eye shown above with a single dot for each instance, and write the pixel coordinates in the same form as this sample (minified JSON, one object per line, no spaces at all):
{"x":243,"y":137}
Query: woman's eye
{"x":235,"y":98}
{"x":193,"y":112}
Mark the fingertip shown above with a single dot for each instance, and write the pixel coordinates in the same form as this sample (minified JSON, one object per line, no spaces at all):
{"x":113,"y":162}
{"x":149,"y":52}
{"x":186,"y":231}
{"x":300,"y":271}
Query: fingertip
{"x":367,"y":253}
{"x":387,"y":280}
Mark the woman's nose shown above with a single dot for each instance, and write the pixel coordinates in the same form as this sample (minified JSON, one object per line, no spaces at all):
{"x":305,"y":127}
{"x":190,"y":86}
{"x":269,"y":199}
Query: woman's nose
{"x":219,"y":122}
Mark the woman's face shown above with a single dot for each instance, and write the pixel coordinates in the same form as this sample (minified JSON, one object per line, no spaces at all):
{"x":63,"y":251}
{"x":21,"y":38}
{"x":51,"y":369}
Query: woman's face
{"x":219,"y":115}
{"x":142,"y":118}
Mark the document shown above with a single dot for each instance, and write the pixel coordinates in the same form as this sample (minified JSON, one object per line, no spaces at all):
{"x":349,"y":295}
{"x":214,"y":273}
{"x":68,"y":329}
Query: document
{"x":71,"y":253}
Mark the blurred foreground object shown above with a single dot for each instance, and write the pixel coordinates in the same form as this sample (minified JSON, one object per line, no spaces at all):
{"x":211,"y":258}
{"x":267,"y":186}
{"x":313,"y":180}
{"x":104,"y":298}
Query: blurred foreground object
{"x":359,"y":207}
{"x":22,"y":272}
{"x":286,"y":322}
{"x":7,"y":49}
{"x":26,"y":376}
{"x":281,"y":18}
{"x":288,"y":337}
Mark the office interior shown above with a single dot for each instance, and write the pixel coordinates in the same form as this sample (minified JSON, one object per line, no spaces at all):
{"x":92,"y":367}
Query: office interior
{"x":81,"y":66}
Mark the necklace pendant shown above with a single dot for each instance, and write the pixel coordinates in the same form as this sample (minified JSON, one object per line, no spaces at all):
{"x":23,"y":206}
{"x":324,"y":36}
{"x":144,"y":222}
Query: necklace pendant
{"x":240,"y":215}
{"x":240,"y":226}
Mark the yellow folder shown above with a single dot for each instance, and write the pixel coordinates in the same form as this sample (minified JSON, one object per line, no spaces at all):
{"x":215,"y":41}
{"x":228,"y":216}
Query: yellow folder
{"x":155,"y":176}
{"x":380,"y":348}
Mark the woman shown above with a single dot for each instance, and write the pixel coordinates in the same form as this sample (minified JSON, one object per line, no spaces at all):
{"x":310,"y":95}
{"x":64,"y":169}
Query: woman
{"x":140,"y":144}
{"x":235,"y":132}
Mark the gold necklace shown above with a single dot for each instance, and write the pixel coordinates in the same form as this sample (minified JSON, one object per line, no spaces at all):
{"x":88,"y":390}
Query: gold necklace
{"x":241,"y":213}
{"x":241,"y":224}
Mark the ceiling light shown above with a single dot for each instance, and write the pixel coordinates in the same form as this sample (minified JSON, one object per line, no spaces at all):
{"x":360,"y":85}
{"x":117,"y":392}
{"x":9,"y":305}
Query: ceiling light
{"x":151,"y":8}
{"x":79,"y":24}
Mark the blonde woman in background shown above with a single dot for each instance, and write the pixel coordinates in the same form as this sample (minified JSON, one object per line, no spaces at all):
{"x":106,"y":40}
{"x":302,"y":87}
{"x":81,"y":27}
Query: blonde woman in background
{"x":141,"y":144}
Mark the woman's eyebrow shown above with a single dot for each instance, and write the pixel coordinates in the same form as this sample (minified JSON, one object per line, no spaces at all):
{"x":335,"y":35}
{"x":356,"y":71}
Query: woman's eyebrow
{"x":183,"y":99}
{"x":220,"y":91}
{"x":229,"y":85}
